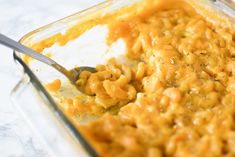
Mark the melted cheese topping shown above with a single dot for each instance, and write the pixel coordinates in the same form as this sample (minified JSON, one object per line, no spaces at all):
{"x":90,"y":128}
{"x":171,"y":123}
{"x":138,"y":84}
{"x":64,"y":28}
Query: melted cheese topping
{"x":176,"y":98}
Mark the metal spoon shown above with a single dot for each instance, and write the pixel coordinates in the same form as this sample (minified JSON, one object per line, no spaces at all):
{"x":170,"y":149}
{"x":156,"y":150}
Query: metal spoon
{"x":72,"y":74}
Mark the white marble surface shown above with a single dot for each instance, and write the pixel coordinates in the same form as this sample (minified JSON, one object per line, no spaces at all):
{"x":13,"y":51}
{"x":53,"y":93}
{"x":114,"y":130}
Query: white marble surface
{"x":17,"y":17}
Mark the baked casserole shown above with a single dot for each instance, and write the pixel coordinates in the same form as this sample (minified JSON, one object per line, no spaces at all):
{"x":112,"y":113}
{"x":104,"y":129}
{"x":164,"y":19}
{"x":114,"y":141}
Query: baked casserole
{"x":174,"y":95}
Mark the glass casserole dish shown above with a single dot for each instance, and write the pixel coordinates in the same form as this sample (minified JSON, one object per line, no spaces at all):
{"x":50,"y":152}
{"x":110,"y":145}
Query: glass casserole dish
{"x":76,"y":52}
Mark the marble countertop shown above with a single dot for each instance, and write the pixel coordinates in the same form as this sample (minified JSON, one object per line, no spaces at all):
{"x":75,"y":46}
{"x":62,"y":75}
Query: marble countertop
{"x":18,"y":18}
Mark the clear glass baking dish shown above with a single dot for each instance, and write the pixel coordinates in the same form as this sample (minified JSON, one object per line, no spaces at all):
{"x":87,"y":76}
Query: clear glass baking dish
{"x":59,"y":136}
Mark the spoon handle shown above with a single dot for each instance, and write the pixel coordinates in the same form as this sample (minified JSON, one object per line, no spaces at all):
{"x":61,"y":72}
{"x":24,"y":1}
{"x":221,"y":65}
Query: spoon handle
{"x":4,"y":40}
